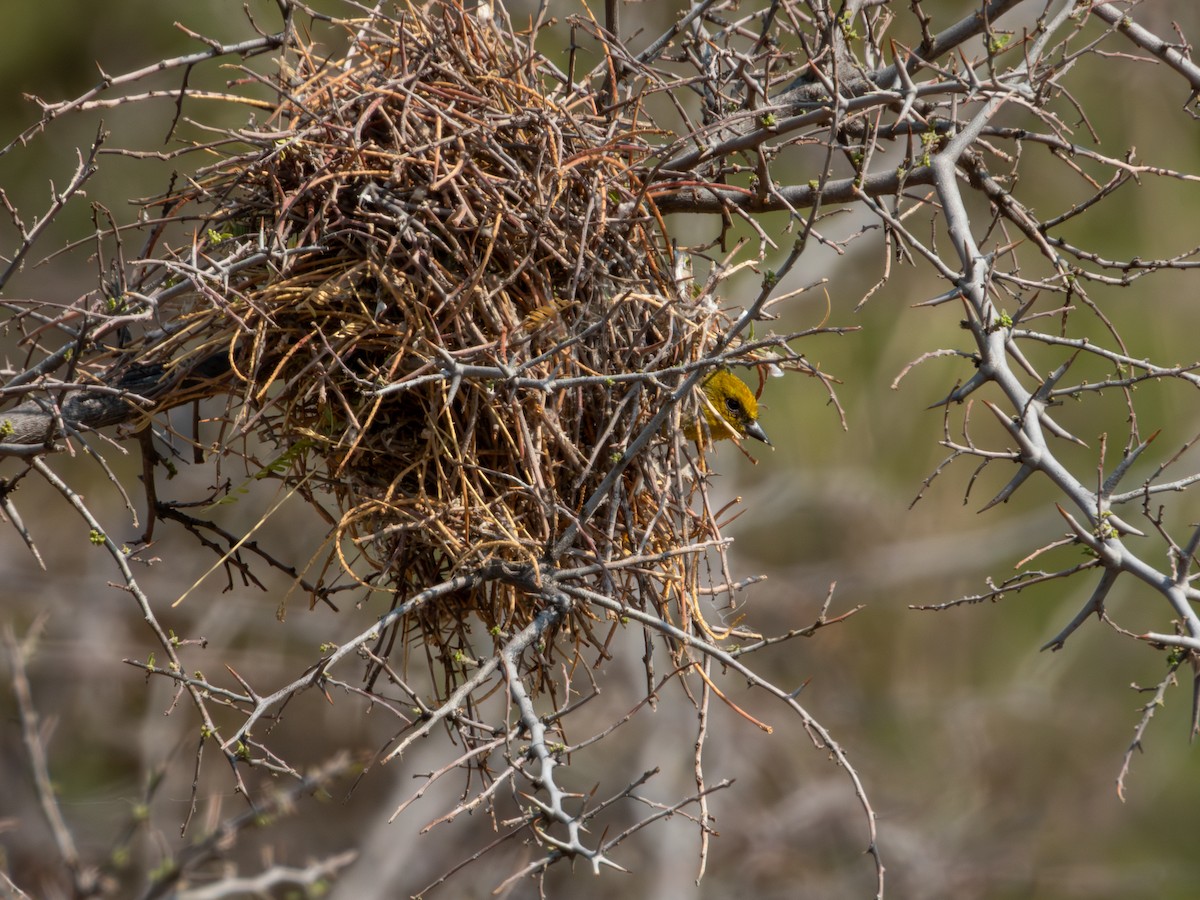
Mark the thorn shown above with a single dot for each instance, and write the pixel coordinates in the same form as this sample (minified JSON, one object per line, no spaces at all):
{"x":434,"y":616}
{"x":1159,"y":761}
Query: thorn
{"x":1058,"y":431}
{"x":1007,"y":491}
{"x":961,"y":392}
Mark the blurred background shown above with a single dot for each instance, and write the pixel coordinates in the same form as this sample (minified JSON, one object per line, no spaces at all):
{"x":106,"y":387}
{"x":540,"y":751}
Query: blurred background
{"x":992,"y":765}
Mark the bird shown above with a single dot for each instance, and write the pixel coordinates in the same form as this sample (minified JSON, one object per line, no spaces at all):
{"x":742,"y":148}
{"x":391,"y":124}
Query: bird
{"x":730,"y":410}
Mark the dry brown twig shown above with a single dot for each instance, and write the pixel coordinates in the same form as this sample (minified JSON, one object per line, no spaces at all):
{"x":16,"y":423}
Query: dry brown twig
{"x":445,"y":312}
{"x":431,"y":289}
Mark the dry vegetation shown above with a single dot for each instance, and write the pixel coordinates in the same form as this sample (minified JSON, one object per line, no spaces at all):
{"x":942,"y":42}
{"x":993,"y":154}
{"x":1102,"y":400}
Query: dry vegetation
{"x":431,"y":291}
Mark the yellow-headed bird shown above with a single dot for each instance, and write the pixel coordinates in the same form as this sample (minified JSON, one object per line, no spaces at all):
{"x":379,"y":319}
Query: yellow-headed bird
{"x":730,"y":410}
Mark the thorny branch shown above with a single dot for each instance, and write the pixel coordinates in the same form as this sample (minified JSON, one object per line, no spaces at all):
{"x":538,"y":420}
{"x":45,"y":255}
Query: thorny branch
{"x":934,"y":123}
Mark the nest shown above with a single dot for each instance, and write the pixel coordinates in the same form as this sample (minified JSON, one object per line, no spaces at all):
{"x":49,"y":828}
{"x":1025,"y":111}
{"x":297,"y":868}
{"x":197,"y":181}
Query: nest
{"x":445,"y":302}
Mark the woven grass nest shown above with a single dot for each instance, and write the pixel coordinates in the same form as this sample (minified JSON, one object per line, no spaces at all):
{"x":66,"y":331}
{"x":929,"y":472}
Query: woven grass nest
{"x":447,"y":303}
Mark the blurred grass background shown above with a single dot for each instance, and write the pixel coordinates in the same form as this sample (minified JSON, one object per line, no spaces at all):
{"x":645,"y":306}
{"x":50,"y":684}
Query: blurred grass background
{"x":991,"y":765}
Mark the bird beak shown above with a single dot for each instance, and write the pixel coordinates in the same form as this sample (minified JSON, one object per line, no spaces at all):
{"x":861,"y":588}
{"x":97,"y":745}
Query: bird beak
{"x":755,"y":431}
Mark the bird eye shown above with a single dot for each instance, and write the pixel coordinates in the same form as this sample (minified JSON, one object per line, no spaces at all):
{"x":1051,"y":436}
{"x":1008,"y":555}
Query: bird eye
{"x":733,"y":404}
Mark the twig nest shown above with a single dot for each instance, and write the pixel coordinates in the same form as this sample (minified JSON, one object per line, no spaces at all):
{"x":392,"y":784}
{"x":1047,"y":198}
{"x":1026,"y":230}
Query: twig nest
{"x":449,"y":305}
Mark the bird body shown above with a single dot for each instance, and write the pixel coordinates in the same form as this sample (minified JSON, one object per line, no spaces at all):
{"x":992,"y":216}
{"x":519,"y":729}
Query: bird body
{"x":729,"y":410}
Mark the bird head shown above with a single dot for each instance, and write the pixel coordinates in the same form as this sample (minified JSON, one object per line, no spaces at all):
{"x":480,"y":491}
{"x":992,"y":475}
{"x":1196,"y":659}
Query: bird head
{"x":730,"y":410}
